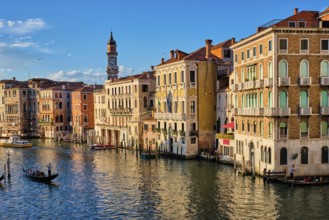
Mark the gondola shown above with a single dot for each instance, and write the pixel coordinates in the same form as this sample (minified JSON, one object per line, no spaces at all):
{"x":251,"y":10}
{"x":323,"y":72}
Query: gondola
{"x":302,"y":182}
{"x":39,"y":177}
{"x":2,"y":177}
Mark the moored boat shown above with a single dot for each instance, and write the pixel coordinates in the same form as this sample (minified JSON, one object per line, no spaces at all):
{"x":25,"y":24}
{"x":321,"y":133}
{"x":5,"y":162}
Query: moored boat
{"x":303,"y":182}
{"x":40,"y":176}
{"x":16,"y":142}
{"x":2,"y":177}
{"x":101,"y":147}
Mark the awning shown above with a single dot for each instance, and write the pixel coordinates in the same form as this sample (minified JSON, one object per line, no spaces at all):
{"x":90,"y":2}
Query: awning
{"x":229,"y":125}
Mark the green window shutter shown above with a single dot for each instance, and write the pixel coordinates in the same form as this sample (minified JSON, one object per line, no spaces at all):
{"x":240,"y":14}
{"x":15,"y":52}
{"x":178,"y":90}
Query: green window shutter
{"x":324,"y":128}
{"x":324,"y":68}
{"x":270,"y":99}
{"x":303,"y":69}
{"x":324,"y":98}
{"x":283,"y":70}
{"x":283,"y":99}
{"x":303,"y":99}
{"x":303,"y":127}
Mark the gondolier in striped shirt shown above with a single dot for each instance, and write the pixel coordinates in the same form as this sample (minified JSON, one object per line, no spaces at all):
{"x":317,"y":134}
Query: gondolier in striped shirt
{"x":49,"y":169}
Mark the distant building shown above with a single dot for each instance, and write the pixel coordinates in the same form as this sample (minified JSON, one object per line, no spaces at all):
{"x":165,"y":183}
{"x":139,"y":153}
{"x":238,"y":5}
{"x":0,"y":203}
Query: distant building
{"x":280,"y":95}
{"x":150,"y":134}
{"x":83,"y":112}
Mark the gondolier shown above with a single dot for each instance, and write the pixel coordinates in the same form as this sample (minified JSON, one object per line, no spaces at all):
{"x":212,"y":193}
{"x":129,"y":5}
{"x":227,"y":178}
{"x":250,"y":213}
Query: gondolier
{"x":49,"y":169}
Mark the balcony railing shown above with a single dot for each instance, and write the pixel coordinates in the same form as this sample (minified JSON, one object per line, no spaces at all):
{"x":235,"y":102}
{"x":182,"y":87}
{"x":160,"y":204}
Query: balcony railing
{"x":305,"y":81}
{"x":305,"y":110}
{"x":284,"y":81}
{"x":324,"y":81}
{"x":169,"y":116}
{"x":268,"y":82}
{"x":277,"y":111}
{"x":259,"y":83}
{"x":324,"y":110}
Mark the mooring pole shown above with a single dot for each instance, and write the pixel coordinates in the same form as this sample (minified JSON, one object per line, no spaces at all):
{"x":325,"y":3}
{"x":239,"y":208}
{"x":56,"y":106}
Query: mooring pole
{"x":8,"y":165}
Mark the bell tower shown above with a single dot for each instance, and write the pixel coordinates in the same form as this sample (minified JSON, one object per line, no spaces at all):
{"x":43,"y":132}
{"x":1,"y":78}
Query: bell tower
{"x":112,"y":69}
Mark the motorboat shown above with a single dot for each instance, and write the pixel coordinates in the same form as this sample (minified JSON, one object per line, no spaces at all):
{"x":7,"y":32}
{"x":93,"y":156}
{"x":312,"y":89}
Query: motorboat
{"x":16,"y":142}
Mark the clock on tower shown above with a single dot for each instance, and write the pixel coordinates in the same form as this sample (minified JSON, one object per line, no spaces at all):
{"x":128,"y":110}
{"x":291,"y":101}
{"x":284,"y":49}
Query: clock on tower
{"x":112,"y":68}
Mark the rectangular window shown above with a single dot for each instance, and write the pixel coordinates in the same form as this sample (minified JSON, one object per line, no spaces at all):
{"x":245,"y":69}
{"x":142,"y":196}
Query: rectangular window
{"x":292,"y":24}
{"x":84,"y":96}
{"x":164,"y":80}
{"x":283,"y":44}
{"x":146,"y":128}
{"x":227,"y":54}
{"x":153,"y":127}
{"x":261,"y":49}
{"x":84,"y":106}
{"x":193,"y":140}
{"x":270,"y":45}
{"x":145,"y":88}
{"x":248,"y":54}
{"x":158,"y":80}
{"x":182,"y":76}
{"x":175,"y":77}
{"x":254,"y":51}
{"x":169,"y":79}
{"x":236,"y":58}
{"x":325,"y":45}
{"x":192,"y":76}
{"x":303,"y":45}
{"x":301,"y":24}
{"x":192,"y":107}
{"x":242,"y":55}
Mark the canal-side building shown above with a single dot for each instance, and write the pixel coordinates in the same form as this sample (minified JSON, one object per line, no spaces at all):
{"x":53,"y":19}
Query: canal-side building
{"x":83,"y":112}
{"x":185,"y":101}
{"x":150,"y":134}
{"x":224,"y":118}
{"x":20,"y":110}
{"x":280,"y":104}
{"x":4,"y":84}
{"x":129,"y":100}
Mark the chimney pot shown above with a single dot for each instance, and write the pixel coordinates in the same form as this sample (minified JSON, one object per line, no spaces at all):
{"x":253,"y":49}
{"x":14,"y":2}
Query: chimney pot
{"x":162,"y":60}
{"x":172,"y":54}
{"x":295,"y":11}
{"x":232,"y":41}
{"x":208,"y":49}
{"x":152,"y":68}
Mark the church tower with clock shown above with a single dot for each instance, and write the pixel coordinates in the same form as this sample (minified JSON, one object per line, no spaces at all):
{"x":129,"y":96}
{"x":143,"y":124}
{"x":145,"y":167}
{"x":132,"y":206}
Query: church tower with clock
{"x":112,"y":67}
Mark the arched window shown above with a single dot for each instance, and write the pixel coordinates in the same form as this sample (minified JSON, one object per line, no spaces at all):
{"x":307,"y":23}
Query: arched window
{"x":269,"y":155}
{"x":261,"y":127}
{"x":283,"y":99}
{"x":303,"y":99}
{"x":304,"y":129}
{"x":236,"y":125}
{"x":242,"y":75}
{"x":324,"y":154}
{"x":283,"y":156}
{"x":262,"y":153}
{"x":248,"y":126}
{"x":324,"y":98}
{"x":265,"y":154}
{"x":283,"y":68}
{"x":60,"y":105}
{"x":270,"y":70}
{"x":242,"y":102}
{"x":270,"y":128}
{"x":24,"y":107}
{"x":283,"y":129}
{"x":303,"y":68}
{"x":261,"y":105}
{"x":270,"y":99}
{"x":324,"y":128}
{"x":261,"y":71}
{"x":236,"y":101}
{"x":255,"y":127}
{"x":242,"y":125}
{"x":324,"y":68}
{"x":237,"y":146}
{"x":304,"y":155}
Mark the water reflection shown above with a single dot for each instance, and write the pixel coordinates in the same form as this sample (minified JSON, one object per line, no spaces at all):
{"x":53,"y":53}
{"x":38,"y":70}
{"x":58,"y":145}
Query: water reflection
{"x":112,"y":184}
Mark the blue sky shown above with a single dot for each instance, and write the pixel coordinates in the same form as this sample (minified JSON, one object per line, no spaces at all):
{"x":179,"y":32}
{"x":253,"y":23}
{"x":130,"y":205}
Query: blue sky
{"x":66,"y":39}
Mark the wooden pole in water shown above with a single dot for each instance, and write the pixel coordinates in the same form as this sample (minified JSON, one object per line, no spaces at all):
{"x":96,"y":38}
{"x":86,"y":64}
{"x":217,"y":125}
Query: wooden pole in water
{"x":4,"y":172}
{"x":234,"y":162}
{"x":243,"y":165}
{"x":8,"y":165}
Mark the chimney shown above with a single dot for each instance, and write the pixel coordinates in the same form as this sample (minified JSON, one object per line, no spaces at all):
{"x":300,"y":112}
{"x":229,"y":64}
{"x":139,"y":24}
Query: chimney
{"x":162,"y":60}
{"x":172,"y":54}
{"x":232,"y":41}
{"x":295,"y":11}
{"x":152,"y":68}
{"x":14,"y":78}
{"x":208,"y":49}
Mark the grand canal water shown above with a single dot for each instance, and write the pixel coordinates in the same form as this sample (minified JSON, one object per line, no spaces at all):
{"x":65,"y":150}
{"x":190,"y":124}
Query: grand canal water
{"x":112,"y":185}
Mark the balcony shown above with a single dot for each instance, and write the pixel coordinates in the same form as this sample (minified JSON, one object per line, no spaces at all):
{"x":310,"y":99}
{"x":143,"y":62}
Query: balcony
{"x":305,"y":110}
{"x":268,"y":82}
{"x":277,"y":111}
{"x":324,"y":81}
{"x":324,"y":110}
{"x":178,"y":116}
{"x":192,"y":85}
{"x":182,"y":85}
{"x":284,"y":81}
{"x":259,"y":83}
{"x":240,"y":86}
{"x":235,"y":111}
{"x":249,"y":85}
{"x":305,"y":81}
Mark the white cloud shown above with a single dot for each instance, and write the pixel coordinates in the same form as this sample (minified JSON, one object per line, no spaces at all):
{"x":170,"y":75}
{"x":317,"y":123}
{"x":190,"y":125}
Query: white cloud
{"x":69,"y":54}
{"x":89,"y":76}
{"x":20,"y":27}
